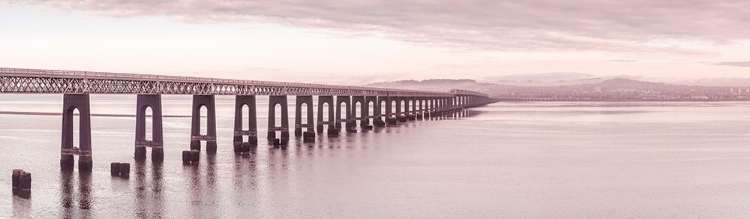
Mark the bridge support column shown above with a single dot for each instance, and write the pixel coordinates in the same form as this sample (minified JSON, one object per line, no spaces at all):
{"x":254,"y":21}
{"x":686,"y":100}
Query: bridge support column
{"x":240,"y":145}
{"x":438,"y":105}
{"x":452,"y":107}
{"x":346,"y":102}
{"x":362,"y":112}
{"x":426,"y":109}
{"x":200,"y":101}
{"x":445,"y":108}
{"x":395,"y":102}
{"x":369,"y":101}
{"x":71,"y":102}
{"x":330,"y":121}
{"x":309,"y":116}
{"x":412,"y":111}
{"x":403,"y":114}
{"x":421,"y":111}
{"x":272,"y":126}
{"x":433,"y":108}
{"x":388,"y":115}
{"x":156,"y":143}
{"x":379,"y":114}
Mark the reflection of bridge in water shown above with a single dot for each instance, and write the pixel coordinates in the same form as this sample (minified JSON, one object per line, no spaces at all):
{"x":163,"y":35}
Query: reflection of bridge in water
{"x":389,"y":106}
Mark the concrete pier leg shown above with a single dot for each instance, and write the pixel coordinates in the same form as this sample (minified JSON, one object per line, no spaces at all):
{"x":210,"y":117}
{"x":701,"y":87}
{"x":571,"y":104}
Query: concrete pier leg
{"x":412,"y":113}
{"x":240,"y":145}
{"x":351,"y":126}
{"x":67,"y":162}
{"x":392,"y":109}
{"x":354,"y":108}
{"x":71,"y":102}
{"x":309,"y":124}
{"x":140,"y":153}
{"x":343,"y":106}
{"x":379,"y":114}
{"x":153,"y":102}
{"x":21,"y":183}
{"x":397,"y":113}
{"x":326,"y":102}
{"x":157,"y":154}
{"x":124,"y":170}
{"x":371,"y":104}
{"x":185,"y":157}
{"x":85,"y":163}
{"x":114,"y":169}
{"x":402,"y":115}
{"x":446,"y":108}
{"x":209,"y":102}
{"x":272,"y":126}
{"x":420,"y":108}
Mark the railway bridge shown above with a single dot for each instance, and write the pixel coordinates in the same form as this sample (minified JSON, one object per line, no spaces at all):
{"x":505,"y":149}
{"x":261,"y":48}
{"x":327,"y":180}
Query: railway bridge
{"x":400,"y":106}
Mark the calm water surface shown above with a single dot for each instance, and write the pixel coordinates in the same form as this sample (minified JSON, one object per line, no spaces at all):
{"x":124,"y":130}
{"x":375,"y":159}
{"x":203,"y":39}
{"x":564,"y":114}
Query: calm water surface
{"x":507,"y":160}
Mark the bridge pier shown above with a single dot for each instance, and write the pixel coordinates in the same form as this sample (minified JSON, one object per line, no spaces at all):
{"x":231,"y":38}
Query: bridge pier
{"x":378,"y":121}
{"x":438,"y":108}
{"x":156,"y":143}
{"x":412,"y":111}
{"x":417,"y":108}
{"x":385,"y":115}
{"x":310,"y":123}
{"x":421,"y":111}
{"x":240,"y":145}
{"x":362,"y":109}
{"x":445,"y":108}
{"x":331,"y":120}
{"x":369,"y":101}
{"x":209,"y":102}
{"x":272,"y":126}
{"x":451,"y":107}
{"x":346,"y":102}
{"x":394,"y":110}
{"x":432,"y":109}
{"x":427,"y":108}
{"x":71,"y":102}
{"x":403,"y":114}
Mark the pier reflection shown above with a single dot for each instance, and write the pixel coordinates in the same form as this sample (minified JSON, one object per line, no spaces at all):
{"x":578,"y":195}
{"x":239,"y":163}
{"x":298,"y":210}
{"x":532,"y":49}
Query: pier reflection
{"x":245,"y":166}
{"x":75,"y":204}
{"x":148,"y":194}
{"x":203,"y":185}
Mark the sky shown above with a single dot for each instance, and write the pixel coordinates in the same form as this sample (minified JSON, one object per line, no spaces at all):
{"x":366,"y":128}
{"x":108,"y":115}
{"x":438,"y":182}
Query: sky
{"x":362,"y":41}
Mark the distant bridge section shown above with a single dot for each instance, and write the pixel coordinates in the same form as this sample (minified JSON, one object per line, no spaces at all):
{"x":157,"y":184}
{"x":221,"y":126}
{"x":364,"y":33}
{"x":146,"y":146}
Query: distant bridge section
{"x":468,"y":93}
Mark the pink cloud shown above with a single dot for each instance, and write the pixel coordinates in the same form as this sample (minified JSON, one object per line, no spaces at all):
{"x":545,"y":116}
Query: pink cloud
{"x":606,"y":25}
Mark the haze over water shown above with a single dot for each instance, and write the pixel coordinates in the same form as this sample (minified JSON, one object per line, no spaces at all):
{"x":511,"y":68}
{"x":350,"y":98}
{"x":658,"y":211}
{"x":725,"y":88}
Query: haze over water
{"x":512,"y":160}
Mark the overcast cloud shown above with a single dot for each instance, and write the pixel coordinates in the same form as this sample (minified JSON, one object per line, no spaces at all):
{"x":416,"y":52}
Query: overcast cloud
{"x":608,"y":25}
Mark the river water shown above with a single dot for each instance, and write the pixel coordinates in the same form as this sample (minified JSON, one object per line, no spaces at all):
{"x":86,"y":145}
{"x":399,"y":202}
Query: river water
{"x":506,"y":160}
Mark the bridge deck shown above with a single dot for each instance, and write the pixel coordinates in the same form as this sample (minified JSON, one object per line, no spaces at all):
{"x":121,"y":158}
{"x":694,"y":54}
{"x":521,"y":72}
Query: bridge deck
{"x":17,"y":80}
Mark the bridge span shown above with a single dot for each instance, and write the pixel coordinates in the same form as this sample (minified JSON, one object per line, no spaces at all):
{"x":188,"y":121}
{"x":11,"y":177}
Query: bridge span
{"x":400,"y":106}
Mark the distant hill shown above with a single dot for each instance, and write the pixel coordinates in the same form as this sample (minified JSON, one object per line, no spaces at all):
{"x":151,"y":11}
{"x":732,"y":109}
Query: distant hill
{"x":545,"y":79}
{"x":615,"y":88}
{"x":442,"y":85}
